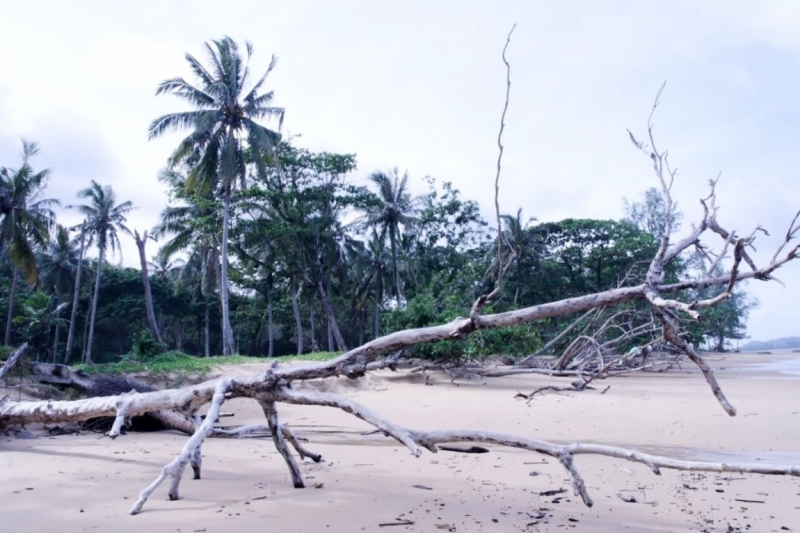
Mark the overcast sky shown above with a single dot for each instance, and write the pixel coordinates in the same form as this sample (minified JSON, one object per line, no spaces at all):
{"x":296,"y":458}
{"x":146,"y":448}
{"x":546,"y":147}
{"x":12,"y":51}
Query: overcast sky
{"x":420,"y":85}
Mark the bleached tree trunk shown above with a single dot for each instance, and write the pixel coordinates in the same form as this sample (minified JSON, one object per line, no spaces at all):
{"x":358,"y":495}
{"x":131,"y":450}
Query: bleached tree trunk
{"x":75,"y":298}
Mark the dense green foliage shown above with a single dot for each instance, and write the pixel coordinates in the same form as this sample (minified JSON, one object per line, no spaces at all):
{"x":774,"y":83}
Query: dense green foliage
{"x":280,"y":242}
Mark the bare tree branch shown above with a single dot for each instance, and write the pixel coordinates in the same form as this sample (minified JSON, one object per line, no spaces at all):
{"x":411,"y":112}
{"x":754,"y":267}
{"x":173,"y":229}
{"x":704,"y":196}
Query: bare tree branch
{"x":484,"y":299}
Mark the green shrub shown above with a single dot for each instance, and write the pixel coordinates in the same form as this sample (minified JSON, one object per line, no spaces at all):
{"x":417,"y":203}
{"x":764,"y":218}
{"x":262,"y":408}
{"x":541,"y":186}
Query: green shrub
{"x":145,"y":345}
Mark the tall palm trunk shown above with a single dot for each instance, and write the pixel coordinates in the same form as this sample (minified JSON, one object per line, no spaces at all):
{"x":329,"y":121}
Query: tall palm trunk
{"x":362,"y":325}
{"x":314,"y":346}
{"x":228,"y":347}
{"x":271,"y":351}
{"x":75,"y":296}
{"x":328,"y":308}
{"x":298,"y":322}
{"x":393,"y":240}
{"x":376,"y":321}
{"x":90,"y":340}
{"x":56,"y":335}
{"x":330,"y":328}
{"x":330,"y":337}
{"x":141,"y":241}
{"x":378,"y":301}
{"x":207,"y":328}
{"x":11,"y":300}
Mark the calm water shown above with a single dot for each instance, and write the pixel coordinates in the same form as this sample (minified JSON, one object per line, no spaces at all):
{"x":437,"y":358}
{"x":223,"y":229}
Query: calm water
{"x":788,"y":367}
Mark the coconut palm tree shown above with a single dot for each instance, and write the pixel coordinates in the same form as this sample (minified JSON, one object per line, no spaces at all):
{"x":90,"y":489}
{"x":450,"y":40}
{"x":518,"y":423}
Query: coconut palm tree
{"x":192,"y":229}
{"x":224,"y":126}
{"x":59,"y":271}
{"x":371,"y":271}
{"x":522,"y":245}
{"x":394,"y":210}
{"x":105,"y":219}
{"x":39,"y":317}
{"x":27,"y":219}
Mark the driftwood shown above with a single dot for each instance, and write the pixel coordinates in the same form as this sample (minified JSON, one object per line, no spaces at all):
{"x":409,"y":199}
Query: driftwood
{"x":12,"y":360}
{"x":273,"y":386}
{"x":62,"y":375}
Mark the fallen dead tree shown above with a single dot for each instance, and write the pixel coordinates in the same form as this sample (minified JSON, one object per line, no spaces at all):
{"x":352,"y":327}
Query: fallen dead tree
{"x":104,"y":386}
{"x":273,"y":386}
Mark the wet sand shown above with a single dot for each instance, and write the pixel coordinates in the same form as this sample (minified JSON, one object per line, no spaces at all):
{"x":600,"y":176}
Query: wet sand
{"x":88,"y":483}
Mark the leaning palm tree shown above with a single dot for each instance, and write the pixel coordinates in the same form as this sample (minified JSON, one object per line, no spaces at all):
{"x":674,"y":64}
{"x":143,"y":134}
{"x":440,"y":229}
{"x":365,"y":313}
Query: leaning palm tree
{"x":394,"y":209}
{"x":224,"y":127}
{"x":27,"y":220}
{"x":105,"y":219}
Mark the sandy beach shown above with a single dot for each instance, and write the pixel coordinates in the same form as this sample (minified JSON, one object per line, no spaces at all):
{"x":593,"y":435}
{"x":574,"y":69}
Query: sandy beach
{"x":88,"y":483}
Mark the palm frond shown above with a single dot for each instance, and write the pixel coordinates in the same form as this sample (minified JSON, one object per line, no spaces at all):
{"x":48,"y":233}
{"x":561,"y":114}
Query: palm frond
{"x":199,"y":70}
{"x":252,"y":96}
{"x":185,"y":91}
{"x":173,"y":122}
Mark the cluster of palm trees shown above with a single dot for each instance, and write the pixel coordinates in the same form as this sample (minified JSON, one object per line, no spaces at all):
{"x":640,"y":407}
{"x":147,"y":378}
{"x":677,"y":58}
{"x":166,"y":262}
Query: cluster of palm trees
{"x":42,"y":252}
{"x":226,"y":149}
{"x":263,"y":233}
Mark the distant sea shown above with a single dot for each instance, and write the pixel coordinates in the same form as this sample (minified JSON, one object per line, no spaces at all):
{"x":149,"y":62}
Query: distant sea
{"x":789,"y":367}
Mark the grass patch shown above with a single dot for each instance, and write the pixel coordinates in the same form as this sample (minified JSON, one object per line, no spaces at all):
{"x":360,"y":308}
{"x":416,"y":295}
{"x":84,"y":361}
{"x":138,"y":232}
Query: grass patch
{"x":178,"y":366}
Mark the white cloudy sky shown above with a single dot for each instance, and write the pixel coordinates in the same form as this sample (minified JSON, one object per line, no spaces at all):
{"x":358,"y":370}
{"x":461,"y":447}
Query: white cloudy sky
{"x":420,"y":85}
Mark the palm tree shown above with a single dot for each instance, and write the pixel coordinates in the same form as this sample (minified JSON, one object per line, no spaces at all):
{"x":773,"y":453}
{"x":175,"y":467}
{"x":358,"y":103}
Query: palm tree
{"x":371,"y":271}
{"x":165,"y":268}
{"x":104,"y":219}
{"x":394,"y":209}
{"x":75,"y":296}
{"x":522,"y":245}
{"x":223,"y":127}
{"x":27,"y":220}
{"x":59,"y":271}
{"x":188,"y":225}
{"x":40,"y":315}
{"x":141,"y":242}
